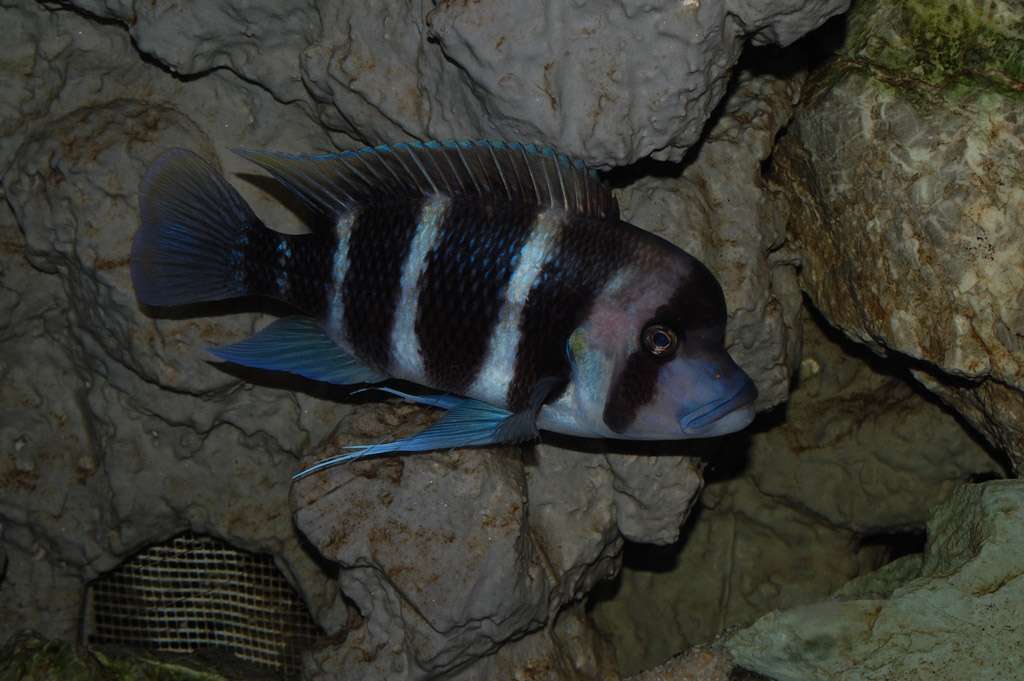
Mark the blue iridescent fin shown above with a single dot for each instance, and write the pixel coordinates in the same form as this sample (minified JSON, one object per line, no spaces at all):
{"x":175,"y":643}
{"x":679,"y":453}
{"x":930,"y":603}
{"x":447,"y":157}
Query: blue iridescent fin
{"x":298,"y":345}
{"x":192,"y":222}
{"x":467,"y":423}
{"x":331,"y":184}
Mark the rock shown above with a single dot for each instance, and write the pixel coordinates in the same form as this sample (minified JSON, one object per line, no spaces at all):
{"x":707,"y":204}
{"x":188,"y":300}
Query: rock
{"x":960,"y":616}
{"x":722,"y":211}
{"x":565,"y":76}
{"x":27,"y":656}
{"x":447,"y":566}
{"x":697,"y":664}
{"x":859,"y":455}
{"x":906,"y":155}
{"x":114,"y":432}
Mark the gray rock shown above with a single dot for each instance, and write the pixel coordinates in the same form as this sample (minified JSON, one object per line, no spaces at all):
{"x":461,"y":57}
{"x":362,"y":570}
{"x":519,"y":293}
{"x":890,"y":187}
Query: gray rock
{"x":959,"y":617}
{"x":907,"y":155}
{"x":451,"y":556}
{"x":722,"y":211}
{"x":610,"y":84}
{"x":114,"y":432}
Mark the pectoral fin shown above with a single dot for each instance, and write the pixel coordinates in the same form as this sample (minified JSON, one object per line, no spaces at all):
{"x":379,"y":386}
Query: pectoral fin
{"x":589,"y":365}
{"x":298,"y":345}
{"x":467,"y":423}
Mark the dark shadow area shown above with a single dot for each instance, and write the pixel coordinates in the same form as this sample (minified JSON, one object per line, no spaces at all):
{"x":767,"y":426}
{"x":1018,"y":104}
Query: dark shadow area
{"x":725,"y":457}
{"x":733,"y":455}
{"x":893,"y":545}
{"x":741,"y":674}
{"x":899,"y":366}
{"x":645,"y":558}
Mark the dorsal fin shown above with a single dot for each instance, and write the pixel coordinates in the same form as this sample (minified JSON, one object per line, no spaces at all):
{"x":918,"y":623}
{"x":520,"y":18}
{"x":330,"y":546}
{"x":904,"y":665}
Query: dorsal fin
{"x":336,"y":183}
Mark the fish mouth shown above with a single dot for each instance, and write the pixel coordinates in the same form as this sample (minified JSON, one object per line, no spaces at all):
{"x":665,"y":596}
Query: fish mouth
{"x":723,"y":416}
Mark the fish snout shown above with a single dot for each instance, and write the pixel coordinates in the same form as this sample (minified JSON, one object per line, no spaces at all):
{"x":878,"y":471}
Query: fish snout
{"x":728,"y":414}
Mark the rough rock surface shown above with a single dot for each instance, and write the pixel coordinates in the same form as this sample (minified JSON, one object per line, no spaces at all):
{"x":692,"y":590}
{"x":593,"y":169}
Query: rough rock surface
{"x":447,"y":562}
{"x":113,"y":433}
{"x":116,"y":431}
{"x":908,"y":155}
{"x":697,"y":664}
{"x":27,"y":656}
{"x":610,"y":83}
{"x":955,"y":613}
{"x":858,"y":455}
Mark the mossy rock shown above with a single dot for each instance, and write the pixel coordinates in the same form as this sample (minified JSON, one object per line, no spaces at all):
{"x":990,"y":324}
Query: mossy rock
{"x":27,"y":656}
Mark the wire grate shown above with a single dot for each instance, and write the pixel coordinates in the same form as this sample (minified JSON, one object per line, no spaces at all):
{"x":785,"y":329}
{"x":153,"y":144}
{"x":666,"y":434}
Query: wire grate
{"x":196,"y":592}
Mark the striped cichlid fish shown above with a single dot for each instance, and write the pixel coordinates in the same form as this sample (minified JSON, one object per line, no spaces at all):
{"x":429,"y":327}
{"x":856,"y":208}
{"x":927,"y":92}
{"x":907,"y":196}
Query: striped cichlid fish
{"x":496,"y":273}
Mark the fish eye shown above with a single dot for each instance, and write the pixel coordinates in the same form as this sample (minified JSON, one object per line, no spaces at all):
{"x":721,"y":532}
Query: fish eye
{"x":659,"y":340}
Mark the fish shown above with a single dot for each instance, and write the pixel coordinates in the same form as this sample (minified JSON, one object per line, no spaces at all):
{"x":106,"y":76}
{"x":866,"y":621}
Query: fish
{"x":497,"y":275}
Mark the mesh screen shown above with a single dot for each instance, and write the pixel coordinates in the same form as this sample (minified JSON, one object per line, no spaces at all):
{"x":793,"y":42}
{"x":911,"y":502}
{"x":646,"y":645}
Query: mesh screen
{"x":197,"y":592}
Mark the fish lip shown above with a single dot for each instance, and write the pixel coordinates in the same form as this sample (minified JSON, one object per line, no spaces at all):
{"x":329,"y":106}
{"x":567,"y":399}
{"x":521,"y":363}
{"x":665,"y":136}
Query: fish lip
{"x":707,"y":417}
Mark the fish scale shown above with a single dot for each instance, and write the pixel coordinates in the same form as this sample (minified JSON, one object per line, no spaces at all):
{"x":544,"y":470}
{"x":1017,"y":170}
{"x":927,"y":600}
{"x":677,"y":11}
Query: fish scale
{"x":497,"y":273}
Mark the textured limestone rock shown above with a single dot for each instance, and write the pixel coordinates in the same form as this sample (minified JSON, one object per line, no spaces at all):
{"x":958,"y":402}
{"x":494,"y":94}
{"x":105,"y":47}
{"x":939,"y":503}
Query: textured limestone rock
{"x":721,"y":210}
{"x":958,"y":616}
{"x":858,"y":455}
{"x":697,"y":664}
{"x":610,"y":83}
{"x":445,"y":562}
{"x":27,"y":656}
{"x":908,"y":155}
{"x":114,"y":433}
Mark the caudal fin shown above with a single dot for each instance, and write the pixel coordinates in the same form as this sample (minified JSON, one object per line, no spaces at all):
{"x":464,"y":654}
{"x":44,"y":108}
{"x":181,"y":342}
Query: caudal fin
{"x":189,"y":246}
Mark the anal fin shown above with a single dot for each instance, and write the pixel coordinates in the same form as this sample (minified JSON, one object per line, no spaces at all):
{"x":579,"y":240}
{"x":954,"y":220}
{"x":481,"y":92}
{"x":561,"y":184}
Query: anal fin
{"x":467,"y":423}
{"x":298,"y":345}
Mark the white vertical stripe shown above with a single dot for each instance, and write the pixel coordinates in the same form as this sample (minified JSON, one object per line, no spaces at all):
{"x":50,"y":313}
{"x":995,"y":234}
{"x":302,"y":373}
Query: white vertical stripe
{"x":406,"y":354}
{"x":491,"y":384}
{"x":335,"y":322}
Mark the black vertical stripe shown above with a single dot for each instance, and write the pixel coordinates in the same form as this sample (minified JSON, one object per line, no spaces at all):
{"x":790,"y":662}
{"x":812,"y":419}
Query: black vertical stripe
{"x":255,"y":256}
{"x":377,"y":249}
{"x":462,"y":289}
{"x":309,"y":271}
{"x":632,"y":389}
{"x":306,"y":270}
{"x":698,"y":301}
{"x":586,"y":255}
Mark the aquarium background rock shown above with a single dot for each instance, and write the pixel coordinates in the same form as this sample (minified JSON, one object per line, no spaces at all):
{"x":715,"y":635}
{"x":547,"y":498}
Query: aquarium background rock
{"x":907,"y":157}
{"x":950,"y":612}
{"x":956,"y":612}
{"x":117,"y":431}
{"x":610,"y":83}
